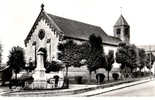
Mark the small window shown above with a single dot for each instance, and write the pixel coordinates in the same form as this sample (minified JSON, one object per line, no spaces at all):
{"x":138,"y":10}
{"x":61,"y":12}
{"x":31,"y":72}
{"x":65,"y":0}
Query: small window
{"x":118,"y":31}
{"x":126,"y":30}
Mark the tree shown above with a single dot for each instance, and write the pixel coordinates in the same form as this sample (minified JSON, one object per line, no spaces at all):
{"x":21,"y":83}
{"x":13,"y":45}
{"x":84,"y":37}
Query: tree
{"x":127,"y":55}
{"x":16,"y":60}
{"x":150,"y":58}
{"x":91,"y":51}
{"x":110,"y":60}
{"x":122,"y":56}
{"x":142,"y":58}
{"x":133,"y":61}
{"x":70,"y":55}
{"x":94,"y":54}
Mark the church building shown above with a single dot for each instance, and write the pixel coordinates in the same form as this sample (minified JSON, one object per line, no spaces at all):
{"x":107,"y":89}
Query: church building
{"x":49,"y":30}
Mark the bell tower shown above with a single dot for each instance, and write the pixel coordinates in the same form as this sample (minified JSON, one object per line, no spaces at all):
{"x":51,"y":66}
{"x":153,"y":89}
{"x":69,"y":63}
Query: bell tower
{"x":122,"y":30}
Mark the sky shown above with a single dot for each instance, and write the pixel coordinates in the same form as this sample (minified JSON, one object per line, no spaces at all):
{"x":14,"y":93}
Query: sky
{"x":18,"y":16}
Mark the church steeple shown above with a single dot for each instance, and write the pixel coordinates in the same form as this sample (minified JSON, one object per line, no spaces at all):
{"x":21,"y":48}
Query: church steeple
{"x":121,"y":21}
{"x":122,"y":29}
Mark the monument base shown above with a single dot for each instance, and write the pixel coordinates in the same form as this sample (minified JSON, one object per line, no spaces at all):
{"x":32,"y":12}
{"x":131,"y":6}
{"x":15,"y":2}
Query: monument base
{"x":44,"y":80}
{"x":48,"y":82}
{"x":41,"y":84}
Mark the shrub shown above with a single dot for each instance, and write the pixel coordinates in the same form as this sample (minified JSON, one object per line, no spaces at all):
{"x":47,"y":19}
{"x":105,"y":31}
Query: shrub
{"x":115,"y":76}
{"x":78,"y":79}
{"x":100,"y":77}
{"x":138,"y":74}
{"x":6,"y":75}
{"x":53,"y":66}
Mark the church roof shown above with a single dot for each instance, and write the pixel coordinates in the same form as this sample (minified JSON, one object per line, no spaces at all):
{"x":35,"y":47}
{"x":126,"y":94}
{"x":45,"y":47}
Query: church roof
{"x":74,"y":29}
{"x":121,"y":21}
{"x":80,"y":30}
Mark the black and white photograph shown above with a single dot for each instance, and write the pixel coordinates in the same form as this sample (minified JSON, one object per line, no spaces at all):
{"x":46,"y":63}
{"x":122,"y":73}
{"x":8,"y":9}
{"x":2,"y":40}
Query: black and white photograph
{"x":77,"y":48}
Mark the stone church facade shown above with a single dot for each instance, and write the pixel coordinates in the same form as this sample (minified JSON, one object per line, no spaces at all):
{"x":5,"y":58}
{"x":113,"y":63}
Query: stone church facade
{"x":49,"y":30}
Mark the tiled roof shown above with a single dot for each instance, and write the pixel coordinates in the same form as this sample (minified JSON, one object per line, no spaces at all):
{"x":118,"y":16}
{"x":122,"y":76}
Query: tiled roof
{"x":80,"y":30}
{"x":74,"y":29}
{"x":121,"y":21}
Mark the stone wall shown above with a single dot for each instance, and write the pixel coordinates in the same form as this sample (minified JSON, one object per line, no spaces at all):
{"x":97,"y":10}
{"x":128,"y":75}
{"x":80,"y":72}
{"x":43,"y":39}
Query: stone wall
{"x":83,"y":71}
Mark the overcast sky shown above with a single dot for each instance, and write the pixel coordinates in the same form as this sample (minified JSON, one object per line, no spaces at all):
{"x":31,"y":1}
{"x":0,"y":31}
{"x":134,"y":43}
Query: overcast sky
{"x":18,"y":16}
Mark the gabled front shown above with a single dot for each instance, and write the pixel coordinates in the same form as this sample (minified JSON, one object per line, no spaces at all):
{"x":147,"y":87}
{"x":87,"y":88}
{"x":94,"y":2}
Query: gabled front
{"x":44,"y":35}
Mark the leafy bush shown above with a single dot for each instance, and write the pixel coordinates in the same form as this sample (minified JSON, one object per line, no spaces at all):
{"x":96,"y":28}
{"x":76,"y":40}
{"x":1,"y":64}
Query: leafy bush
{"x":141,"y":74}
{"x":138,"y":74}
{"x":78,"y":79}
{"x":100,"y":77}
{"x":6,"y":75}
{"x":53,"y":66}
{"x":115,"y":76}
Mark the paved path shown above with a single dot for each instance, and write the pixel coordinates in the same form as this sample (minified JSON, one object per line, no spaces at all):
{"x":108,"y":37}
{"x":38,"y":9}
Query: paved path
{"x":145,"y":89}
{"x":74,"y":90}
{"x":112,"y":91}
{"x":71,"y":90}
{"x":4,"y":90}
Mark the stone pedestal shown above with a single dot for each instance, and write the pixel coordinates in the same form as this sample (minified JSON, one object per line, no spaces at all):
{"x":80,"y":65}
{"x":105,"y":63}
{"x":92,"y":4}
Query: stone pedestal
{"x":41,"y":78}
{"x":39,"y":73}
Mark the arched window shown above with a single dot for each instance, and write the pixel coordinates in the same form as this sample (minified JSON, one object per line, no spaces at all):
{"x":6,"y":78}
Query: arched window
{"x":118,"y":31}
{"x":41,"y":34}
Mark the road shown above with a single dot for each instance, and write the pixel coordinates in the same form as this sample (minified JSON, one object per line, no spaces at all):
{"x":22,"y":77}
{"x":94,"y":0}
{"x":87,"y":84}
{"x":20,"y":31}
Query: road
{"x":4,"y":89}
{"x":141,"y":88}
{"x":145,"y":89}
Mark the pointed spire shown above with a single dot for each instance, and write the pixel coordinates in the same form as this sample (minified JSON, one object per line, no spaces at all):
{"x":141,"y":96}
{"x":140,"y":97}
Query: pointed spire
{"x":121,"y":21}
{"x":42,"y":6}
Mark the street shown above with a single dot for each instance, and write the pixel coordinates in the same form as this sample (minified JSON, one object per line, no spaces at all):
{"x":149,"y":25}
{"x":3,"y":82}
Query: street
{"x":145,"y":89}
{"x":138,"y":88}
{"x":3,"y":90}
